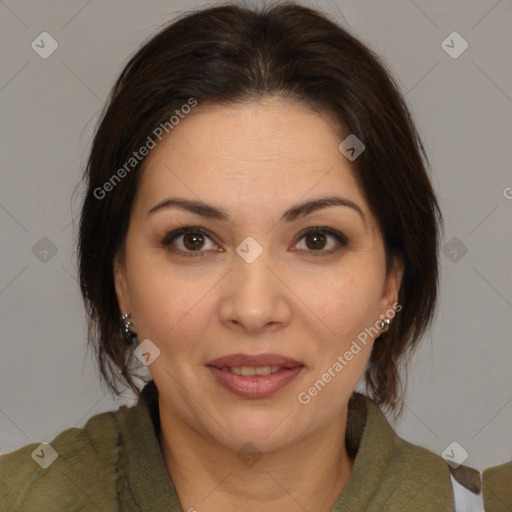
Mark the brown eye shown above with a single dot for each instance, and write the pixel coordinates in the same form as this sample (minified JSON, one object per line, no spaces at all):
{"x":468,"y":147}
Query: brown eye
{"x":189,"y":241}
{"x":193,"y":241}
{"x":317,"y":239}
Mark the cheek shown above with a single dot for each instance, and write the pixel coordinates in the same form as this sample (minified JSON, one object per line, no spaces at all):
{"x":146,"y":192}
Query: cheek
{"x":165,"y":305}
{"x":335,"y":302}
{"x":162,"y":309}
{"x":152,"y":294}
{"x":347,"y":301}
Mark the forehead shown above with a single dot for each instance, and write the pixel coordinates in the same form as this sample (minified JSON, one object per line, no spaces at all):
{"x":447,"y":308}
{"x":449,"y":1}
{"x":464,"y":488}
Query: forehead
{"x":250,"y":152}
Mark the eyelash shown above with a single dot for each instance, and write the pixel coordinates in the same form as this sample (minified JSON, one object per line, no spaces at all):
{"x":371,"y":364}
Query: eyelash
{"x":168,"y":239}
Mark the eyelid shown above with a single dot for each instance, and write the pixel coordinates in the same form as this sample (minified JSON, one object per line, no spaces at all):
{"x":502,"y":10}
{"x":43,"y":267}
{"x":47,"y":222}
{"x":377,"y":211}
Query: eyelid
{"x":338,"y":235}
{"x":340,"y":238}
{"x":175,"y":233}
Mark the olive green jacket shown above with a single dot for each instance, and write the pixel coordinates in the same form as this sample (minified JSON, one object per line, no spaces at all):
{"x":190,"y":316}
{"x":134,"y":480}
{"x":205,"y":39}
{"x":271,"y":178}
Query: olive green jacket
{"x":114,"y":463}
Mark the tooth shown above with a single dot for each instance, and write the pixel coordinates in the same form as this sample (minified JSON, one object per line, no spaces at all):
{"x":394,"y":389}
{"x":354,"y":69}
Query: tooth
{"x":263,"y":370}
{"x":249,"y":371}
{"x":226,"y":368}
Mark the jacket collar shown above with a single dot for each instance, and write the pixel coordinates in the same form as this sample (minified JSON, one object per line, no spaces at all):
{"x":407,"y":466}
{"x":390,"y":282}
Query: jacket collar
{"x":389,"y":473}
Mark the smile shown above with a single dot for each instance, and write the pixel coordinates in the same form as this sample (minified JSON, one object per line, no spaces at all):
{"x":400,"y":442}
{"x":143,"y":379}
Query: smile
{"x":247,"y":371}
{"x":254,"y":382}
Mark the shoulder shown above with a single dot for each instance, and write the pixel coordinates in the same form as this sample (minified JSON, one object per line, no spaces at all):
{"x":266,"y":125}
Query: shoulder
{"x":405,"y":457}
{"x":460,"y":484}
{"x":497,"y":487}
{"x":418,"y":476}
{"x":74,"y":471}
{"x":404,"y":475}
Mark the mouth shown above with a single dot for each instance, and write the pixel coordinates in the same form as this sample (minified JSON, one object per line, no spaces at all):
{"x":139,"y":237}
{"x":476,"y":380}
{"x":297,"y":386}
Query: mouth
{"x":248,"y":371}
{"x":255,"y":376}
{"x":259,"y":361}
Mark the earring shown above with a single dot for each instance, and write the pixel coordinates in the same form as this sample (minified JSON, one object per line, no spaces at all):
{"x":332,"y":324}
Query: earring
{"x":383,"y":325}
{"x":126,"y":333}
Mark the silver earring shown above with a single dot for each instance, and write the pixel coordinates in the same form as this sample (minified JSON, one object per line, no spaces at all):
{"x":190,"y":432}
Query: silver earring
{"x":126,"y":333}
{"x":384,"y":324}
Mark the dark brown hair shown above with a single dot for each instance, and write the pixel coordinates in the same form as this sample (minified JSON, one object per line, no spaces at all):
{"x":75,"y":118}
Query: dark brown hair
{"x":230,"y":54}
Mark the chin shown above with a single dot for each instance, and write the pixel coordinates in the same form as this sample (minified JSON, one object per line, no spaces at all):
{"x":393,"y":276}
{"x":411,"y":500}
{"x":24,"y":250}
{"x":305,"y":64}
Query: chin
{"x":267,"y":431}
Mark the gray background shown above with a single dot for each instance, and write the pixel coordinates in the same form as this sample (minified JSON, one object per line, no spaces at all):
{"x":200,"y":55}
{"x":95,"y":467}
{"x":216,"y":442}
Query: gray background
{"x":459,"y":383}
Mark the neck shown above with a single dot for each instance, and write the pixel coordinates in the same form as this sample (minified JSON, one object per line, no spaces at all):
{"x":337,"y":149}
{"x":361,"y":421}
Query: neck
{"x":309,"y":475}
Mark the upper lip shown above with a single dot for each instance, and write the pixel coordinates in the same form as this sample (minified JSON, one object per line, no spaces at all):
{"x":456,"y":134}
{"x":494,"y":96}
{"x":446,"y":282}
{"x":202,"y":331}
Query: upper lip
{"x":254,"y":361}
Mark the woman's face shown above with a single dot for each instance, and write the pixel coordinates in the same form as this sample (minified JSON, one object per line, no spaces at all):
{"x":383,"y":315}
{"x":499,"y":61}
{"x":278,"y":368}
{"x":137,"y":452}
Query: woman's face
{"x":248,"y":283}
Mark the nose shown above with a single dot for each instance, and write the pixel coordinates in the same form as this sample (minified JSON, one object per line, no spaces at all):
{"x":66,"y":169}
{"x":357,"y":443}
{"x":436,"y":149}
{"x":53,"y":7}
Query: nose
{"x":254,"y":296}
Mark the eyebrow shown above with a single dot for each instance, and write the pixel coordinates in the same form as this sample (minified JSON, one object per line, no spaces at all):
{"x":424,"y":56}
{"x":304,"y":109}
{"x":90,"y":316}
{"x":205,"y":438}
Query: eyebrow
{"x":300,"y":210}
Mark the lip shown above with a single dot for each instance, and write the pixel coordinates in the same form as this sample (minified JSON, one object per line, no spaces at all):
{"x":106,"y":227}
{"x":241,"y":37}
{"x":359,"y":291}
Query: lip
{"x":255,"y":361}
{"x":255,"y":386}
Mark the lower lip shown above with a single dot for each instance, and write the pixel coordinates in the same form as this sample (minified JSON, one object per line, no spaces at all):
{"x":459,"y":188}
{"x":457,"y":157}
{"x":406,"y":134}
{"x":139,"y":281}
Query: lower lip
{"x":255,"y":386}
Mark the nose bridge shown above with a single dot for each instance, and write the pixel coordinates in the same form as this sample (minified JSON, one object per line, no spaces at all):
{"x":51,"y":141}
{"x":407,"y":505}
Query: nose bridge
{"x":255,"y":294}
{"x":251,"y":267}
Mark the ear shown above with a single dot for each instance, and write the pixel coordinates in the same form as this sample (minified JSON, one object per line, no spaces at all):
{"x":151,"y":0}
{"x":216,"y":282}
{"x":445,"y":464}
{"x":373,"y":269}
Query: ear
{"x":392,"y":286}
{"x":121,"y":283}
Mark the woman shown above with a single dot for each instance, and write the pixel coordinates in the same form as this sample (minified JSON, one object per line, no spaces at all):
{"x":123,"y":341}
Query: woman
{"x":259,"y":217}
